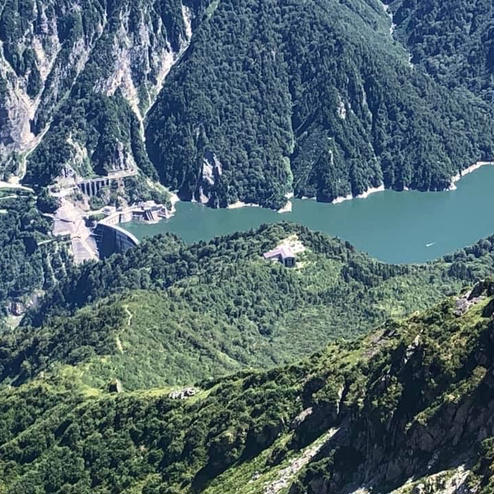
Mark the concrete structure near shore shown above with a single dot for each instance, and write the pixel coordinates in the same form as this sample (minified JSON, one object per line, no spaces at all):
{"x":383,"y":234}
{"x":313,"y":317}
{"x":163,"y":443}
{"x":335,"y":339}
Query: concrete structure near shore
{"x":111,"y":238}
{"x":71,"y":183}
{"x":91,"y":187}
{"x":283,"y":254}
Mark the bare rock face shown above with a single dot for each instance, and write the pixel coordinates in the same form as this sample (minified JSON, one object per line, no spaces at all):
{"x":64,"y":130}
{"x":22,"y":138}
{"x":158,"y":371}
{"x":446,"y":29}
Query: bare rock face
{"x":77,"y":79}
{"x":412,"y":424}
{"x":183,"y":394}
{"x":301,"y":417}
{"x":470,"y":298}
{"x":38,"y":65}
{"x":115,"y":386}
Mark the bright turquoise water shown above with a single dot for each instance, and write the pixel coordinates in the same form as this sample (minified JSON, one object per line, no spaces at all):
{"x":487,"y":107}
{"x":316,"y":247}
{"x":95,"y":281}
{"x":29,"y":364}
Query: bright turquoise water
{"x":397,"y":227}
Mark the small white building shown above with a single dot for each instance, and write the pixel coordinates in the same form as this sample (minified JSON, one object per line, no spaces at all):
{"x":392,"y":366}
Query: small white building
{"x":283,"y":254}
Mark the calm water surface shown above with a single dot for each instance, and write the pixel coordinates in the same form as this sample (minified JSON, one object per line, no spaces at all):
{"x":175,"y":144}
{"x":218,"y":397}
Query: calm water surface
{"x":397,"y":227}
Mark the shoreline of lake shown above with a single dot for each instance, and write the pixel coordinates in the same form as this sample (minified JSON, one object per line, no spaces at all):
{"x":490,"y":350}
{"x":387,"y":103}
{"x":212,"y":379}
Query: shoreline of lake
{"x":391,"y":226}
{"x":466,"y":171}
{"x":287,"y":208}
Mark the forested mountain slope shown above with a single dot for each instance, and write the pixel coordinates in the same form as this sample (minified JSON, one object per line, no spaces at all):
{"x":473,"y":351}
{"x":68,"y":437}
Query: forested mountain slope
{"x":167,"y":313}
{"x":408,"y":407}
{"x":31,"y":260}
{"x":77,"y":79}
{"x":314,"y":96}
{"x":245,"y":100}
{"x":453,"y":41}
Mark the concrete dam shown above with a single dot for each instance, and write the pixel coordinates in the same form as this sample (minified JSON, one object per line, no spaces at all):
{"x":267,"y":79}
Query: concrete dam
{"x":110,"y":239}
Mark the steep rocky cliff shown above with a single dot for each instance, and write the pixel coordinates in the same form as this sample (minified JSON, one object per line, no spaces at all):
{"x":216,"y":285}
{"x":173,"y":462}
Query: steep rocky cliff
{"x":78,"y":78}
{"x":427,"y":412}
{"x":266,"y":98}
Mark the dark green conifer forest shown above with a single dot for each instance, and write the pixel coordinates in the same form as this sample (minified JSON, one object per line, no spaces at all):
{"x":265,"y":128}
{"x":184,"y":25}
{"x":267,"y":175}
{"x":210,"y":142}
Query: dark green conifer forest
{"x":249,"y":100}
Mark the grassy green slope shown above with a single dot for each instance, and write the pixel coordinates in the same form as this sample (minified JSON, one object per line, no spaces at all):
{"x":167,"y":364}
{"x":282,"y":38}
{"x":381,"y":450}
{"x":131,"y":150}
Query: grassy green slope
{"x":410,"y":399}
{"x":182,"y":319}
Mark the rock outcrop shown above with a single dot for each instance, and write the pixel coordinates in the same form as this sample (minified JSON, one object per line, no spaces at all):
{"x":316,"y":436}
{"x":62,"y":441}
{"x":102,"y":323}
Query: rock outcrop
{"x":78,"y":79}
{"x":413,"y":421}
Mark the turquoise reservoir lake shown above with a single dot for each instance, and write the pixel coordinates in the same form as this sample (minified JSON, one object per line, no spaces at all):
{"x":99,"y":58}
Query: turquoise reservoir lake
{"x":397,"y":227}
